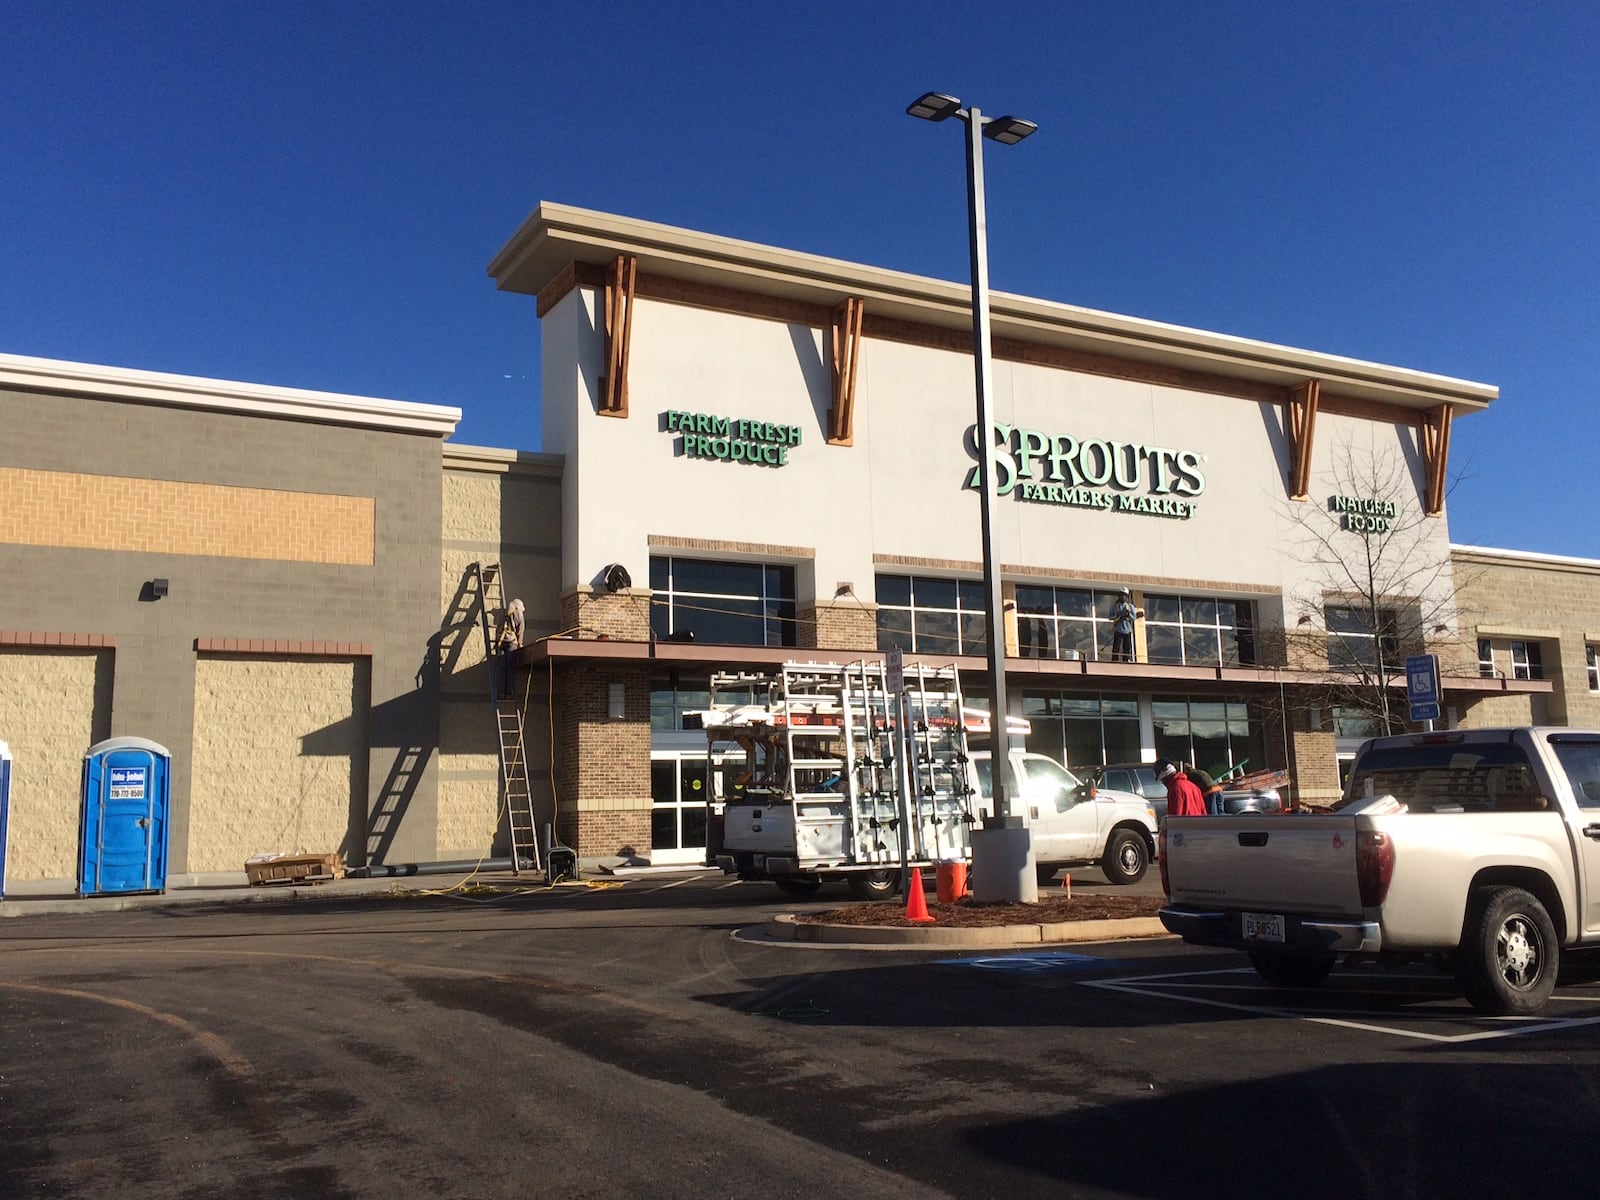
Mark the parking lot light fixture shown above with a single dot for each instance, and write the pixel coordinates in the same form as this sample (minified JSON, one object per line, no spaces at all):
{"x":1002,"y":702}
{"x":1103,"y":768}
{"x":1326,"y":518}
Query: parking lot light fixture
{"x":937,"y":106}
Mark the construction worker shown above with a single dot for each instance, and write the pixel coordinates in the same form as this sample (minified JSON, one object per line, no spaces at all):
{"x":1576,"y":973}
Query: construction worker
{"x":512,"y":626}
{"x":1209,"y":788}
{"x":1122,"y":616}
{"x":1183,"y":797}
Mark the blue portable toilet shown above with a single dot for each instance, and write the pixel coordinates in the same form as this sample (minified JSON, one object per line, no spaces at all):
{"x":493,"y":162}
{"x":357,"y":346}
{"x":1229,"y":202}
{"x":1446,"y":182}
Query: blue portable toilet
{"x":5,"y":808}
{"x":126,"y":792}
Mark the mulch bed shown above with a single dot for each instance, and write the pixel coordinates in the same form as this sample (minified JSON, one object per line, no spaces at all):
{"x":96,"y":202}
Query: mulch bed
{"x":965,"y":914}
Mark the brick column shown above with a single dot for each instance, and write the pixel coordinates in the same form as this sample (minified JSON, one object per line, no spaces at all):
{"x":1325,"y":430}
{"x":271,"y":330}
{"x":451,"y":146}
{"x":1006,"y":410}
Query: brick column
{"x":602,"y":763}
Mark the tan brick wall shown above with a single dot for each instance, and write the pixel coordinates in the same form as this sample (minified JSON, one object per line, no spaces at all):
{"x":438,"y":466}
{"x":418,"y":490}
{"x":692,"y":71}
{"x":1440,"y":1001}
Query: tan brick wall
{"x":840,"y":625}
{"x":623,"y":615}
{"x":1315,"y":771}
{"x":279,"y":758}
{"x":48,"y":717}
{"x":105,"y":512}
{"x":1502,"y":599}
{"x":603,"y":766}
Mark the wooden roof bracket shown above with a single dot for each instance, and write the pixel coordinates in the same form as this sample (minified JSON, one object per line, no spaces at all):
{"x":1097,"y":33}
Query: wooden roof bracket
{"x":1301,"y":418}
{"x":846,"y":358}
{"x":622,"y":276}
{"x":1435,"y":429}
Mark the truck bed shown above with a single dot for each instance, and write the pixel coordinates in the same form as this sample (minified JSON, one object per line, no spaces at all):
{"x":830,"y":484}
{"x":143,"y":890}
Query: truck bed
{"x":1243,"y":862}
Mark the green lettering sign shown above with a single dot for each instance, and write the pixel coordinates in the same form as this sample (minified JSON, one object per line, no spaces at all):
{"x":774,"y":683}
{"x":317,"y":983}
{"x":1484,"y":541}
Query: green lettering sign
{"x":732,"y":439}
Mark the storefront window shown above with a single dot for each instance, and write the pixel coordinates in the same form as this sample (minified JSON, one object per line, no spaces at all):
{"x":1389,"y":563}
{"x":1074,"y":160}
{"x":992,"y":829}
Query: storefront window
{"x":1199,"y":630}
{"x":1055,"y":622}
{"x":1527,"y":662}
{"x":726,"y":603}
{"x":1082,"y":730}
{"x":1216,"y":735}
{"x":1354,"y":645}
{"x":927,"y":615}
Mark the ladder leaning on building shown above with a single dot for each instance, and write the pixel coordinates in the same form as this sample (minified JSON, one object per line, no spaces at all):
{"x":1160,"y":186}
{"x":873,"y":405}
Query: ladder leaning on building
{"x":514,"y":781}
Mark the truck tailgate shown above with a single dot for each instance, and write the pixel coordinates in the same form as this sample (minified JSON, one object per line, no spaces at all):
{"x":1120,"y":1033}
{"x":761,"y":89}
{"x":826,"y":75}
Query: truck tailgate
{"x":1262,"y":862}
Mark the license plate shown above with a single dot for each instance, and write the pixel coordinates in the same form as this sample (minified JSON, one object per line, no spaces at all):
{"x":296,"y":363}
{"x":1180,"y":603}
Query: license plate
{"x":1263,"y":927}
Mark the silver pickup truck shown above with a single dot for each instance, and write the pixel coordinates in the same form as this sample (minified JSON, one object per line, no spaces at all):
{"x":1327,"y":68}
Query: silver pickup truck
{"x":1478,"y":849}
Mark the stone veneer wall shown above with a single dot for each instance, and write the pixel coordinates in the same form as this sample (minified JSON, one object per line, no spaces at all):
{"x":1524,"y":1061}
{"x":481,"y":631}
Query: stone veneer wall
{"x":54,"y":705}
{"x":279,"y":757}
{"x":498,"y":507}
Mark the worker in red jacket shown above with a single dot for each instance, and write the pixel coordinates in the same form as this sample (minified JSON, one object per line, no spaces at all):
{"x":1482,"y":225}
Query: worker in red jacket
{"x":1184,"y":798}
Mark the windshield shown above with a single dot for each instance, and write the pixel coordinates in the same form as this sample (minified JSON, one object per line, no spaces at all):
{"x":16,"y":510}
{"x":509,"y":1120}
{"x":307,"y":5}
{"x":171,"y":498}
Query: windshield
{"x":1580,"y":759}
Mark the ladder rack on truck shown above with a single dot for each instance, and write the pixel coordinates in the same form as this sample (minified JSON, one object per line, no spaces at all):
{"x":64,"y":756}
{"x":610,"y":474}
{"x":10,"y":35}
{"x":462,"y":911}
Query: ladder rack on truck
{"x":824,"y":790}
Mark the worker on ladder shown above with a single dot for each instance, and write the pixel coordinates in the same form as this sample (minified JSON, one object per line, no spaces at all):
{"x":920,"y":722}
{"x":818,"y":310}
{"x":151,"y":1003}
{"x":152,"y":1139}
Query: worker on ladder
{"x":506,"y":647}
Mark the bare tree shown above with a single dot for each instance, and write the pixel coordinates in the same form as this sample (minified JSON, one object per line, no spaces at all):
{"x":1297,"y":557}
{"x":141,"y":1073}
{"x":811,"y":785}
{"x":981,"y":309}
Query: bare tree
{"x":1379,"y":586}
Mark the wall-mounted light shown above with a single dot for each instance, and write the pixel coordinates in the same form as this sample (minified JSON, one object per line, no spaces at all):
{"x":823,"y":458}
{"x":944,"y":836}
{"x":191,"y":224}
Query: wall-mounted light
{"x":615,"y":577}
{"x":153,"y":589}
{"x":1305,"y":619}
{"x":843,"y":589}
{"x":616,"y":702}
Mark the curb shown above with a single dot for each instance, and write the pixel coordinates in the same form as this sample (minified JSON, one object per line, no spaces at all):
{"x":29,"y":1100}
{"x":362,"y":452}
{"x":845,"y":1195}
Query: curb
{"x":787,"y":927}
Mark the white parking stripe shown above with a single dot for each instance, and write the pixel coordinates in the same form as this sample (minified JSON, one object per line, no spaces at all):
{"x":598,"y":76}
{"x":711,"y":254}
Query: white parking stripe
{"x":1505,"y":1027}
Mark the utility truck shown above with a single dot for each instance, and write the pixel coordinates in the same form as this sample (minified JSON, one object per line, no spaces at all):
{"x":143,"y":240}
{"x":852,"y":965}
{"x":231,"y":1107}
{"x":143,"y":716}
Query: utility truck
{"x":1476,"y":849}
{"x":843,"y":778}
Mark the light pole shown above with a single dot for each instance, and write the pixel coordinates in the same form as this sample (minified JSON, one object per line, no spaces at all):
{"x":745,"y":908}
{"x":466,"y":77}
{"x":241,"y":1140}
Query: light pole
{"x":1002,"y":857}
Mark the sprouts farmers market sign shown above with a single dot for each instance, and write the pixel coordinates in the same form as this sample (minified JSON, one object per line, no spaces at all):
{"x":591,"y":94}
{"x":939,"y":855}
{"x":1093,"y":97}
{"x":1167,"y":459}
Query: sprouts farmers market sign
{"x":1127,"y":477}
{"x":733,"y":439}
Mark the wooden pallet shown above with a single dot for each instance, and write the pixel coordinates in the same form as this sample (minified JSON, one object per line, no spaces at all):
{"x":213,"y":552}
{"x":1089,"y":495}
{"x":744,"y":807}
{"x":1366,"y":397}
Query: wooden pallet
{"x":295,"y":868}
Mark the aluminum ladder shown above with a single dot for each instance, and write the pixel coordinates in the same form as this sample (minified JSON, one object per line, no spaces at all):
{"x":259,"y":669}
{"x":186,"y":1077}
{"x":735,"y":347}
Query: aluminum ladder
{"x":509,"y":732}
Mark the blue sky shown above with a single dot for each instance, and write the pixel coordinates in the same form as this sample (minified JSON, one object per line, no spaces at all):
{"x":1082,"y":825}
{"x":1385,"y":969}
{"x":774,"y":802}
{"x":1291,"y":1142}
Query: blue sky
{"x":308,"y":194}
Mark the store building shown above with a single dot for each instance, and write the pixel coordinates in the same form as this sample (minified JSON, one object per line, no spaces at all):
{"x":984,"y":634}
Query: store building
{"x":748,"y":455}
{"x":775,"y":451}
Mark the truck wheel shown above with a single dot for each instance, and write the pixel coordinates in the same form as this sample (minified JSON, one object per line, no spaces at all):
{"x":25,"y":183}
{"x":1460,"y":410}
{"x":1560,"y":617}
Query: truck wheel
{"x":1508,"y":958}
{"x":801,"y":887}
{"x":1289,"y":970}
{"x":1125,"y":858}
{"x":874,"y":885}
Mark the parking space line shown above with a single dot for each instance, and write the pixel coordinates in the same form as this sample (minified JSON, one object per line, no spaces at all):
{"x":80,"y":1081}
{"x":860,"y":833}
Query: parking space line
{"x":1504,"y":1027}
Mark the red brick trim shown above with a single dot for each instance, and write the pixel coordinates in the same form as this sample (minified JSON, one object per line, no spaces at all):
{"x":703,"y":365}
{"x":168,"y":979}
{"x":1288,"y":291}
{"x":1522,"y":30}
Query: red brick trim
{"x":217,"y":645}
{"x":24,"y":637}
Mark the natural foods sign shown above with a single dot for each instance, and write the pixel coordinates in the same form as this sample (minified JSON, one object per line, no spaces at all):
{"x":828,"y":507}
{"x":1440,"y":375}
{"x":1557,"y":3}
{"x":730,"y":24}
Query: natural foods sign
{"x":733,"y":439}
{"x":1124,"y":477}
{"x":1360,"y":514}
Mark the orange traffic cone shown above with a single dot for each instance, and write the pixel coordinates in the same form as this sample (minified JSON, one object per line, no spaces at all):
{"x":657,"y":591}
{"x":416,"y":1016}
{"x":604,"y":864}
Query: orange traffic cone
{"x":916,"y":902}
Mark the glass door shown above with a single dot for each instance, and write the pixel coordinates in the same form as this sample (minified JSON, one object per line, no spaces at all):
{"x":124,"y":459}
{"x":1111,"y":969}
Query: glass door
{"x":678,"y":803}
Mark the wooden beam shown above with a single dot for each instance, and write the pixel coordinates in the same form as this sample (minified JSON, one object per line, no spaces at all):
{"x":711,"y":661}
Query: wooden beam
{"x":846,"y":358}
{"x":621,"y":277}
{"x":1301,"y":418}
{"x":1435,"y":429}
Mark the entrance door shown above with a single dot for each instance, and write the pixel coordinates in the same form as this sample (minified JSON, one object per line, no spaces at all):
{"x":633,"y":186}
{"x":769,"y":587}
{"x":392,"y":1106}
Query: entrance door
{"x":678,"y":804}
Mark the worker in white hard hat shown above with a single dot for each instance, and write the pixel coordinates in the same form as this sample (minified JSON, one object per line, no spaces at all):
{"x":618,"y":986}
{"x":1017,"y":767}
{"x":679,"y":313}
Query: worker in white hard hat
{"x":1122,"y":617}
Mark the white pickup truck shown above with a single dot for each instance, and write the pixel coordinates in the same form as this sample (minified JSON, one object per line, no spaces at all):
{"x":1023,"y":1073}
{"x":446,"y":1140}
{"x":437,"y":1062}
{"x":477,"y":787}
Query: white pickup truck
{"x":1478,"y":849}
{"x":800,"y":846}
{"x":1072,"y":823}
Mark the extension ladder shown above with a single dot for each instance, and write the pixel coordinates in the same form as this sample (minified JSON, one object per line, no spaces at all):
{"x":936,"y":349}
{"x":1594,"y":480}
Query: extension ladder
{"x":509,"y":731}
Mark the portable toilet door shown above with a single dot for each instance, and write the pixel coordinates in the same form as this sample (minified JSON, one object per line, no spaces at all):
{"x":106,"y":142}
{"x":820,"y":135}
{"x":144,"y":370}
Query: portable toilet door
{"x":125,"y":801}
{"x":5,"y":808}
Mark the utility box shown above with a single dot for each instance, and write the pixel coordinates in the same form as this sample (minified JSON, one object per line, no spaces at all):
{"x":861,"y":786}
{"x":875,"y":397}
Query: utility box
{"x":126,"y":801}
{"x":5,"y":808}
